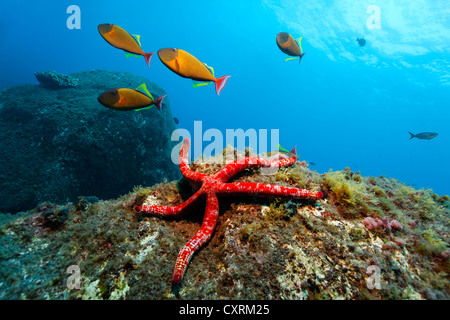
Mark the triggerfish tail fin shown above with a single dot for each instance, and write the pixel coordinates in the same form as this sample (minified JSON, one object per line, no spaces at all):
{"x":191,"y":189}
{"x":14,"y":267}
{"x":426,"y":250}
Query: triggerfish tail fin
{"x":301,"y":56}
{"x":148,"y":57}
{"x":220,"y":83}
{"x":412,"y":135}
{"x":159,"y":102}
{"x":294,"y":151}
{"x":143,"y":87}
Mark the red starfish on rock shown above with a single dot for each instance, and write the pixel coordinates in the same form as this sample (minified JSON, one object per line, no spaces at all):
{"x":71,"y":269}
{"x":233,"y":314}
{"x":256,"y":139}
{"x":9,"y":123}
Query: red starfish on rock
{"x":216,"y":185}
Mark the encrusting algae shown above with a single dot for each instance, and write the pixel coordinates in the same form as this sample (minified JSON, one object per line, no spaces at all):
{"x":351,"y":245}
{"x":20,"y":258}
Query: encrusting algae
{"x":262,"y":248}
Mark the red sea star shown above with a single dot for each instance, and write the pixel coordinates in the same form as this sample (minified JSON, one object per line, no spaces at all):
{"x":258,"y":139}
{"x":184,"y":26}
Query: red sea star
{"x":216,"y":185}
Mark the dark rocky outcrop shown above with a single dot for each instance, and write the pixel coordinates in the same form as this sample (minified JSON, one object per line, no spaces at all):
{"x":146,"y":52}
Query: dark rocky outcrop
{"x":59,"y":144}
{"x":55,"y":80}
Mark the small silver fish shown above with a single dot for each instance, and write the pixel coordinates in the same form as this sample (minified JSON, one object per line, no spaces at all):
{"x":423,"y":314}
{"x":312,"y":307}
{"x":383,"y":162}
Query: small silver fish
{"x":423,"y":135}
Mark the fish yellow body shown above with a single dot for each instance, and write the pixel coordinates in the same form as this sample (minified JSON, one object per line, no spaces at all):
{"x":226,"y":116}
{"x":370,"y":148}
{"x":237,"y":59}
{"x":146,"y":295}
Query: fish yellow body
{"x":287,"y":44}
{"x":186,"y":65}
{"x":121,"y":39}
{"x":124,"y":99}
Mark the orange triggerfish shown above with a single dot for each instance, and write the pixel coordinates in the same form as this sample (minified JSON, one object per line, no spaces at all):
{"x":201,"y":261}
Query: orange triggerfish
{"x":119,"y":38}
{"x":124,"y":99}
{"x":289,"y":46}
{"x":187,"y":66}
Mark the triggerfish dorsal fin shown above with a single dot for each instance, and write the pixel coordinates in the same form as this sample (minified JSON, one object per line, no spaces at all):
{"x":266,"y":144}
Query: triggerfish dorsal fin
{"x":299,"y":40}
{"x":210,"y":68}
{"x":143,"y":87}
{"x":137,"y":38}
{"x":148,"y":55}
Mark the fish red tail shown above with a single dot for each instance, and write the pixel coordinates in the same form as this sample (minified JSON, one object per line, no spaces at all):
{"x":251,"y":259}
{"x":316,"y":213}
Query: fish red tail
{"x":159,"y":101}
{"x":294,"y":151}
{"x":148,"y":57}
{"x":220,"y":83}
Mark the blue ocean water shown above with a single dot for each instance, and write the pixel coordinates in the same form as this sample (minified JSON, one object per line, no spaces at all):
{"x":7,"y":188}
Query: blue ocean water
{"x":343,"y":105}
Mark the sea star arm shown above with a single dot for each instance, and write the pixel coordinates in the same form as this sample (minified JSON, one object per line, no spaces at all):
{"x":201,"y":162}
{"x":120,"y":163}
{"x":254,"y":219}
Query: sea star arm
{"x":164,"y":211}
{"x":198,"y":240}
{"x":263,"y":189}
{"x":186,"y":171}
{"x":237,"y":166}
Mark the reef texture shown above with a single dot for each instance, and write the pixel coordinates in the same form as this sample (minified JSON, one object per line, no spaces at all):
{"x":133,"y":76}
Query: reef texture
{"x":57,"y":145}
{"x":368,"y":238}
{"x":54,"y":80}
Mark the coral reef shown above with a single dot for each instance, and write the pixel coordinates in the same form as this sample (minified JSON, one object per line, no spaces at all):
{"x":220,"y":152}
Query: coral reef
{"x":54,"y":80}
{"x":262,"y":248}
{"x":57,"y":145}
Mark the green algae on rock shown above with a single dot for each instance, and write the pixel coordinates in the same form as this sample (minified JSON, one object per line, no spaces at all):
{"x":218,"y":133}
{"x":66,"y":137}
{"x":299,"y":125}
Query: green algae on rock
{"x":262,"y":248}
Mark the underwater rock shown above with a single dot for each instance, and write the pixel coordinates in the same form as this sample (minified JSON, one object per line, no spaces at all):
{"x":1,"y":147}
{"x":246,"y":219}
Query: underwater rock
{"x":58,"y":145}
{"x":54,"y":80}
{"x":323,"y":251}
{"x":54,"y":218}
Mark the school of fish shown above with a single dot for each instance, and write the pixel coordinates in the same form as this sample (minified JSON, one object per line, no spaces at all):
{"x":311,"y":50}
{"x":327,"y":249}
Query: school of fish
{"x":185,"y":65}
